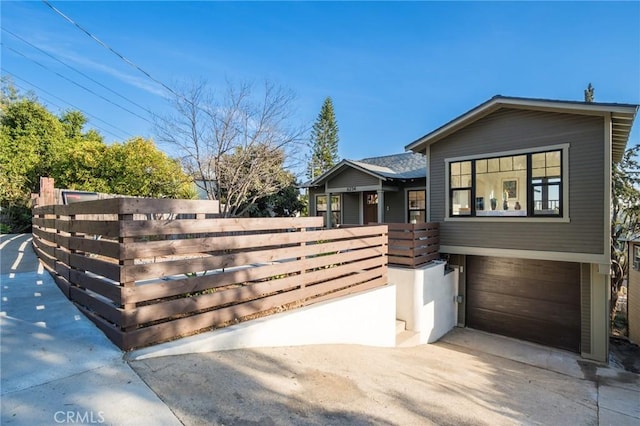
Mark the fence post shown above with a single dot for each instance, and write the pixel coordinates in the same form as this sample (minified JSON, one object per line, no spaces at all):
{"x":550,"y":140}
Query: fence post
{"x":47,"y":192}
{"x":123,"y":277}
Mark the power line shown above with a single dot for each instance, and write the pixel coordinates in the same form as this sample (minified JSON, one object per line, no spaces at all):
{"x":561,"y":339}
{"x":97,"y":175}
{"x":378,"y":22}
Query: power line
{"x":78,"y":71}
{"x":106,"y":46}
{"x":68,"y":103}
{"x":77,"y":84}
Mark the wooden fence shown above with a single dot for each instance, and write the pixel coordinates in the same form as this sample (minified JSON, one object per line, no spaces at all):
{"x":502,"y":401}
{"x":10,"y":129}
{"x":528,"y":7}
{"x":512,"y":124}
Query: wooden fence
{"x":146,"y":281}
{"x":413,"y":244}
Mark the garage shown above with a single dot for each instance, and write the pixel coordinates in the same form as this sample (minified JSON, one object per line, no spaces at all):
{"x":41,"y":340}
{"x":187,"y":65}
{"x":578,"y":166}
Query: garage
{"x":534,"y":300}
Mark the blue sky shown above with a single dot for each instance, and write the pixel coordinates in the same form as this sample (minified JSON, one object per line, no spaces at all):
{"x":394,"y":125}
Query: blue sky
{"x":395,"y":70}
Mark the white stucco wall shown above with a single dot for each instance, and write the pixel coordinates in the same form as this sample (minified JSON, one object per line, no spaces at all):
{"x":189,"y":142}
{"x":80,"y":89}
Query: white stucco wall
{"x":426,"y":299}
{"x":366,"y":318}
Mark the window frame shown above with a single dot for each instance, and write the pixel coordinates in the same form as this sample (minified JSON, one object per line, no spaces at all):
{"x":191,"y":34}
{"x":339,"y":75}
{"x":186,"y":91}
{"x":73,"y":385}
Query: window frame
{"x":409,"y":209}
{"x":562,"y":216}
{"x":323,"y":213}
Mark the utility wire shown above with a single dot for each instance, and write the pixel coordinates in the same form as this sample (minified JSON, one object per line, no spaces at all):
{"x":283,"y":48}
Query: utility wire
{"x":77,"y":84}
{"x":49,"y":102}
{"x":106,"y":46}
{"x":68,"y":103}
{"x":78,"y":71}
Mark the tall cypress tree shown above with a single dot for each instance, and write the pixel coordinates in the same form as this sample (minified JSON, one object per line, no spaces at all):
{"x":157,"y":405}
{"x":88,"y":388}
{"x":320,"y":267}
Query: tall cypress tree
{"x":324,"y":141}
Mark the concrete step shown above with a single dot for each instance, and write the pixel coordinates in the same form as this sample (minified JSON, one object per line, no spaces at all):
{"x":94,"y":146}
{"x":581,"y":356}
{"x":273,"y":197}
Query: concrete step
{"x":400,"y":326}
{"x":407,"y":339}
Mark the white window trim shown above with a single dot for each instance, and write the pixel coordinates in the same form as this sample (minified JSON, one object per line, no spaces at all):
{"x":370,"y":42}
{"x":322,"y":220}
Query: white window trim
{"x":565,"y":218}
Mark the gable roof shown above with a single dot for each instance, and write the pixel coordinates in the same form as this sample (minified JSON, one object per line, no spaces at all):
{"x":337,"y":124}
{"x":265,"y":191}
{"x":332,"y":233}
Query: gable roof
{"x":622,"y":116}
{"x":404,"y":166}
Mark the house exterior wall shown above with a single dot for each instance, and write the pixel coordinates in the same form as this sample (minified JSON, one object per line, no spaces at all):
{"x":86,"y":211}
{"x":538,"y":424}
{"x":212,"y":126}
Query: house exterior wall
{"x":350,"y":178}
{"x":516,"y":129}
{"x":633,"y":297}
{"x":312,"y":199}
{"x":351,"y":208}
{"x":395,"y":207}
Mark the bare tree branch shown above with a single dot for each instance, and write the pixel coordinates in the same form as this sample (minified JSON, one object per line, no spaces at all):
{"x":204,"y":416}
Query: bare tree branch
{"x":238,"y":141}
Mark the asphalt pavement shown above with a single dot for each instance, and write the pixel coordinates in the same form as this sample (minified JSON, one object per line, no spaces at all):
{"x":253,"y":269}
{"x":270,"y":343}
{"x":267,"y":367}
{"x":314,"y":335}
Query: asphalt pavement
{"x":58,"y":368}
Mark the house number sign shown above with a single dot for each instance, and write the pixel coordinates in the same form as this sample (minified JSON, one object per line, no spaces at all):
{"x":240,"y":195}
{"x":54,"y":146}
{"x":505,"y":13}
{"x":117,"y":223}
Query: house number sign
{"x":352,"y":188}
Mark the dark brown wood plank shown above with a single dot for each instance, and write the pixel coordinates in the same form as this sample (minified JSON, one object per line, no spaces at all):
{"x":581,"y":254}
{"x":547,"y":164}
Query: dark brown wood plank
{"x":97,"y":266}
{"x":99,"y":285}
{"x":96,"y":246}
{"x":136,"y":228}
{"x":111,"y":331}
{"x":183,"y":266}
{"x":92,"y":227}
{"x":100,"y":307}
{"x":237,"y":242}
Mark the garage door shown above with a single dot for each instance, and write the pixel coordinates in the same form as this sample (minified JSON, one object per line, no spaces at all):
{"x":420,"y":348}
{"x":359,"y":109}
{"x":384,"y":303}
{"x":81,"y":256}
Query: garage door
{"x":532,"y":300}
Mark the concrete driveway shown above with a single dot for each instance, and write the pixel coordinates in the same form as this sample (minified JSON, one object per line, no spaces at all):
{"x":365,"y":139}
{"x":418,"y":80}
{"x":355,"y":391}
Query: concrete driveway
{"x":443,"y":384}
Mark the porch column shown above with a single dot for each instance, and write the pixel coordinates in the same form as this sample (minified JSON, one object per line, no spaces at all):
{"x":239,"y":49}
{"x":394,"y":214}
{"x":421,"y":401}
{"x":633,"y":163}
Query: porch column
{"x":381,"y":206}
{"x":329,"y":215}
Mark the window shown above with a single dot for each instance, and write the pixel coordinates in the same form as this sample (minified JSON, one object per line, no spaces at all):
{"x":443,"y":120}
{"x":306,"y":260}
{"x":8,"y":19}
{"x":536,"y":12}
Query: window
{"x":417,"y":206}
{"x":528,"y":184}
{"x":321,"y":208}
{"x":636,"y":257}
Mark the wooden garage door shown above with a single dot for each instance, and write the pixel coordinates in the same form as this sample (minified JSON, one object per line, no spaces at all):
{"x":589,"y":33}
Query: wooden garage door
{"x":535,"y":300}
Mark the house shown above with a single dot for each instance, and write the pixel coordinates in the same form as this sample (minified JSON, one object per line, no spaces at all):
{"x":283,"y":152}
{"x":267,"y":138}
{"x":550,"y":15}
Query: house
{"x":633,"y":290}
{"x":521,"y":189}
{"x":379,"y":189}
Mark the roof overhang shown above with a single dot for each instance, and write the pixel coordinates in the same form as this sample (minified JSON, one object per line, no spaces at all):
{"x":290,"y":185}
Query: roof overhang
{"x":622,"y":117}
{"x":336,"y":169}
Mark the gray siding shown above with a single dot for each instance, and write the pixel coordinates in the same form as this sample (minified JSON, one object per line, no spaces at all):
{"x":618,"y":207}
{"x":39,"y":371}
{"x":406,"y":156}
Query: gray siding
{"x":312,"y":199}
{"x":351,"y":177}
{"x":351,"y":208}
{"x":394,"y":201}
{"x":512,"y":129}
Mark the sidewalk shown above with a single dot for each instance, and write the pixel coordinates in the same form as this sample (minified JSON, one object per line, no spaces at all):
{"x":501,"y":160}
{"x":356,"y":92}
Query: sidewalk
{"x":57,"y":367}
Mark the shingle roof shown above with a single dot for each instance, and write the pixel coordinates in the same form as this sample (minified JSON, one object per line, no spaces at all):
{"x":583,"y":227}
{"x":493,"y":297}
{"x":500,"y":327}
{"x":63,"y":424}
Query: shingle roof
{"x":407,"y":165}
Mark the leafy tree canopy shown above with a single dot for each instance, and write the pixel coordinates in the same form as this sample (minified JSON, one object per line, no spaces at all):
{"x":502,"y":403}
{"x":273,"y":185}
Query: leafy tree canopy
{"x":34,"y":142}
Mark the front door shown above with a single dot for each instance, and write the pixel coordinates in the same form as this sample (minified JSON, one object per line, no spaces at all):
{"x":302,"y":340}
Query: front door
{"x":370,"y":203}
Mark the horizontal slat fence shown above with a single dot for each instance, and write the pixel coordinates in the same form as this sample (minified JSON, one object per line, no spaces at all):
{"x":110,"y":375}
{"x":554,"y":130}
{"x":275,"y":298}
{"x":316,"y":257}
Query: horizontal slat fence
{"x":413,"y":244}
{"x":148,"y":272}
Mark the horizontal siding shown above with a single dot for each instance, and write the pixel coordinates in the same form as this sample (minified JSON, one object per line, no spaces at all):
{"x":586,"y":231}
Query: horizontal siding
{"x":394,"y":207}
{"x":351,"y":177}
{"x":351,"y":208}
{"x":512,"y":129}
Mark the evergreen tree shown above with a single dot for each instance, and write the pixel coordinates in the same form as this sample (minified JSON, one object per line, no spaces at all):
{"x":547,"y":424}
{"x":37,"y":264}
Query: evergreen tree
{"x":324,"y":141}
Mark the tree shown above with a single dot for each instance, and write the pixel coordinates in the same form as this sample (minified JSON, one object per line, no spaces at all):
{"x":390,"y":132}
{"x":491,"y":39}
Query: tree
{"x":625,"y":217}
{"x":589,"y":95}
{"x":34,"y":143}
{"x":324,"y":141}
{"x":284,"y":203}
{"x":234,"y":144}
{"x":137,"y":167}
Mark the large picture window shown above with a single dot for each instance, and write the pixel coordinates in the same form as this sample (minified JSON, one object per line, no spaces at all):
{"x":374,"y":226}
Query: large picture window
{"x":528,"y":184}
{"x":321,"y":208}
{"x":417,"y":206}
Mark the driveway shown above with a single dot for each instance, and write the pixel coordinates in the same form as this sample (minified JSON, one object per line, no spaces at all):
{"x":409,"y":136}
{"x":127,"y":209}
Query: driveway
{"x":443,"y":384}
